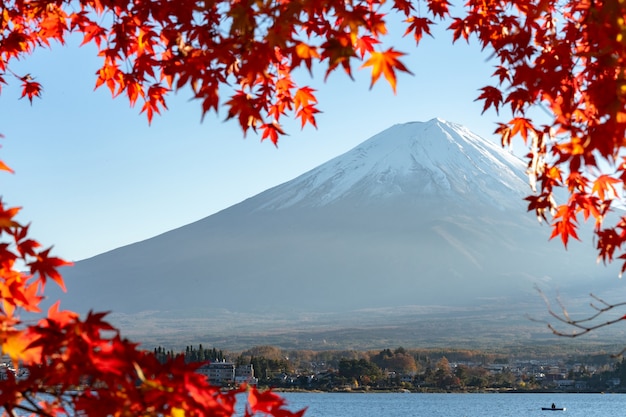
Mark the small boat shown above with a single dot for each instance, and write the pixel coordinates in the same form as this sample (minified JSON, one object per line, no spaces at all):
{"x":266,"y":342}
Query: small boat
{"x":553,"y":409}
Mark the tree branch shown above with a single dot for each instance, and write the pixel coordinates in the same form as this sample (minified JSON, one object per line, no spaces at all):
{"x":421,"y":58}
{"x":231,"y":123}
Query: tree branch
{"x":598,"y":319}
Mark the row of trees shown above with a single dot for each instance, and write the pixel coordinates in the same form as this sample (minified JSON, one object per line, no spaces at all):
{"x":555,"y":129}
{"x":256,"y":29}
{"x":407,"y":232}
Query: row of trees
{"x":190,"y":354}
{"x":420,"y":369}
{"x":439,"y":376}
{"x":400,"y":359}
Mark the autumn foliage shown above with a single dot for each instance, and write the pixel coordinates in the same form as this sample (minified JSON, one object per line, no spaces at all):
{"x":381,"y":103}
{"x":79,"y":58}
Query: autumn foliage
{"x":80,"y":366}
{"x":559,"y":69}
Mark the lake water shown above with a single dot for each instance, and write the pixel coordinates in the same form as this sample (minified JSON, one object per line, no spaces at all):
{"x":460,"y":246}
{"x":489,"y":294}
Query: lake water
{"x":454,"y":405}
{"x":449,"y":405}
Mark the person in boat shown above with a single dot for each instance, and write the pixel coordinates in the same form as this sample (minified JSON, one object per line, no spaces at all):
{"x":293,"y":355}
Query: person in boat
{"x":553,"y":405}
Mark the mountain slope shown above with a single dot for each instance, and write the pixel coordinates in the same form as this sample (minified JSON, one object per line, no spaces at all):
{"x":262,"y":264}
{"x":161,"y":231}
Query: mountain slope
{"x":413,"y":160}
{"x":420,"y":214}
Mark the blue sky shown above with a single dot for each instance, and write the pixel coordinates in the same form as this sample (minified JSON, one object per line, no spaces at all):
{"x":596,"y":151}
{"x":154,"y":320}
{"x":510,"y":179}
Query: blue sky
{"x":91,"y":175}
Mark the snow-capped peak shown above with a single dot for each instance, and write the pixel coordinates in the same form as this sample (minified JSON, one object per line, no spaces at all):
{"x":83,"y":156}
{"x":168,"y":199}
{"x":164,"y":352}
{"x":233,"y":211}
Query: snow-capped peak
{"x":410,"y":160}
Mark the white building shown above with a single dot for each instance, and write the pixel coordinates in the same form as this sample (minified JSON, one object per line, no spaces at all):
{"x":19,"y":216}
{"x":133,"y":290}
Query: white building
{"x":244,"y":374}
{"x":219,"y":373}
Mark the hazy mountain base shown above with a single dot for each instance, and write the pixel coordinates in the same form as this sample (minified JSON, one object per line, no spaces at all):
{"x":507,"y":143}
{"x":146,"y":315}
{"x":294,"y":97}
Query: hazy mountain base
{"x":495,"y":325}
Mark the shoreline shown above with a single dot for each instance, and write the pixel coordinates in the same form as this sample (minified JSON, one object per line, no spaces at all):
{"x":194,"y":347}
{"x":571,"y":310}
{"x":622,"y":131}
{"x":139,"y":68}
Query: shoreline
{"x":434,"y":391}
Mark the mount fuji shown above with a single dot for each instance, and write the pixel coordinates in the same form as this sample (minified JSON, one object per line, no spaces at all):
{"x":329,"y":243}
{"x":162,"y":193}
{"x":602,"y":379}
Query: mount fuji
{"x":423,"y":221}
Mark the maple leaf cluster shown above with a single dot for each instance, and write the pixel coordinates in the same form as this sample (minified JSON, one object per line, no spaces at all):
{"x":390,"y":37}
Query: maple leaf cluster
{"x":569,"y":59}
{"x":252,"y":47}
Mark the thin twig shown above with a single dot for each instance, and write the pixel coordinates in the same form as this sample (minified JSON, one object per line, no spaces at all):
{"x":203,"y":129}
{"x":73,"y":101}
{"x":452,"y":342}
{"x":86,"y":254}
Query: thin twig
{"x":584,"y":325}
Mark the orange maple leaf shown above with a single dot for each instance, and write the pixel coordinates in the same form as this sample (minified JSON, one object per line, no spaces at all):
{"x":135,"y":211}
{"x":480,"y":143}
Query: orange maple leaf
{"x":385,"y":63}
{"x":271,"y":131}
{"x":5,"y":167}
{"x":366,"y":44}
{"x":522,"y":126}
{"x":603,"y":186}
{"x":270,"y":403}
{"x":304,"y":96}
{"x":16,"y":344}
{"x":155,"y":99}
{"x":565,"y":227}
{"x":265,"y":401}
{"x":306,"y":53}
{"x":7,"y":215}
{"x":134,"y":90}
{"x":93,"y":32}
{"x":307,"y":115}
{"x":505,"y":134}
{"x":62,"y":317}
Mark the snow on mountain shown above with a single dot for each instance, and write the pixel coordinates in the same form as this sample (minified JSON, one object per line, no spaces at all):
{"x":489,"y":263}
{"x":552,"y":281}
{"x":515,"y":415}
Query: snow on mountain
{"x":420,"y":214}
{"x":413,"y":159}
